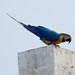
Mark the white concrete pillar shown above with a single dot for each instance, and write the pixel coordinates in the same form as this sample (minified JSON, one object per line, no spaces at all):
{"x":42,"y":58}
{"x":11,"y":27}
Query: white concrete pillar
{"x":49,"y":60}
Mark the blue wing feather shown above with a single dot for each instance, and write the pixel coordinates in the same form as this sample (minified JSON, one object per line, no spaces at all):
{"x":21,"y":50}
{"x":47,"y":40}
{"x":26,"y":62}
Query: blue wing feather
{"x":40,"y":31}
{"x":48,"y":34}
{"x":43,"y":32}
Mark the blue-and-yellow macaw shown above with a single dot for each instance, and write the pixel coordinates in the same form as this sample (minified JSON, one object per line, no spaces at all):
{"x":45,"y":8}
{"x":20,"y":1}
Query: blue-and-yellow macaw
{"x":46,"y":35}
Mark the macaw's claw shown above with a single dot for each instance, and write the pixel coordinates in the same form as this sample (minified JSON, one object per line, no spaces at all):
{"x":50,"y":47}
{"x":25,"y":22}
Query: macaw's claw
{"x":56,"y":45}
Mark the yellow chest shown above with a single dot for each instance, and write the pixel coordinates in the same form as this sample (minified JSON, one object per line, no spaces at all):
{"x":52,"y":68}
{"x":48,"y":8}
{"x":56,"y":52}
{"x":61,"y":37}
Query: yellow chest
{"x":53,"y":42}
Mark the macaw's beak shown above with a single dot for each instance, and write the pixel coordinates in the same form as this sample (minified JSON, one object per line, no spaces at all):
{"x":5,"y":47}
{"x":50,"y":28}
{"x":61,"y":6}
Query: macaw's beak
{"x":67,"y":38}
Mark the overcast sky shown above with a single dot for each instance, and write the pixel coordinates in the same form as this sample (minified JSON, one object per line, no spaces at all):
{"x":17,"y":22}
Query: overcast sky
{"x":57,"y":15}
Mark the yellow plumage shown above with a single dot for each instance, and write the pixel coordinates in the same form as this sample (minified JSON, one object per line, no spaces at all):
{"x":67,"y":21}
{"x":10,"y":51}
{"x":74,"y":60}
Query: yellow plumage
{"x":53,"y":42}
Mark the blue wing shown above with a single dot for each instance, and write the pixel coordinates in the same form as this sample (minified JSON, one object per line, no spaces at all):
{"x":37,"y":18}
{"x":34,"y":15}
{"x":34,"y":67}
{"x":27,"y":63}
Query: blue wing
{"x":40,"y":31}
{"x":48,"y":34}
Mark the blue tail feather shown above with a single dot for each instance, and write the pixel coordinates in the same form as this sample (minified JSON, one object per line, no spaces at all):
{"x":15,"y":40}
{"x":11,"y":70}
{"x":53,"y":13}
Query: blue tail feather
{"x":32,"y":29}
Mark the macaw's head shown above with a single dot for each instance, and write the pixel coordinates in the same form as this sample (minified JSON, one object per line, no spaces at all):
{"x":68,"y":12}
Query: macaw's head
{"x":66,"y":37}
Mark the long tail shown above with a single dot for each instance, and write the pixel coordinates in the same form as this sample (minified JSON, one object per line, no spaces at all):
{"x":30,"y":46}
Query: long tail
{"x":16,"y":20}
{"x":32,"y":29}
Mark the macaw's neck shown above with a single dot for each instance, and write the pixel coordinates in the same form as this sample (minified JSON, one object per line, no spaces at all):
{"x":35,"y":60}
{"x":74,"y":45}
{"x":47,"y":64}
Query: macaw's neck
{"x":60,"y":40}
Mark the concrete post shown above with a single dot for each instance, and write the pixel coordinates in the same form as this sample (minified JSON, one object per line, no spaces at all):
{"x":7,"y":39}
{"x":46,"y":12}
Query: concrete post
{"x":49,"y":60}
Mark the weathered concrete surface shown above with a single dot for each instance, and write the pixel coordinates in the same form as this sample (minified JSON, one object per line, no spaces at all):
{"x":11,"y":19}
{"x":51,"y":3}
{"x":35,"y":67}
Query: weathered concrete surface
{"x":49,"y":60}
{"x":64,"y":61}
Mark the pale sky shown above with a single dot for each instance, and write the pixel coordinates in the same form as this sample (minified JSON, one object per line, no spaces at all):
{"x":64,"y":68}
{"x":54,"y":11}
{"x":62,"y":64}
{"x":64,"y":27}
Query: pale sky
{"x":57,"y":15}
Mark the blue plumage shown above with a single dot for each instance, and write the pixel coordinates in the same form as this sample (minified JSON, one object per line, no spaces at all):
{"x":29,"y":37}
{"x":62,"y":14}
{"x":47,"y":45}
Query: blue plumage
{"x":46,"y":35}
{"x":42,"y":32}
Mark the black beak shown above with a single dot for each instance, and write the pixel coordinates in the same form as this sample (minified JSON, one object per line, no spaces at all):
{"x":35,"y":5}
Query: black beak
{"x":69,"y":40}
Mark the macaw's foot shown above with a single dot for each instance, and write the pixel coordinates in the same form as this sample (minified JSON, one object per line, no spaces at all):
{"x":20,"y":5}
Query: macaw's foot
{"x":57,"y":46}
{"x":54,"y":45}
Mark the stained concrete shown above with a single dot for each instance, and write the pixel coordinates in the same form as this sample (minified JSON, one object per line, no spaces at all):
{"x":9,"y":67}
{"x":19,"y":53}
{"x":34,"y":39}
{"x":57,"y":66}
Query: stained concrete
{"x":48,"y":60}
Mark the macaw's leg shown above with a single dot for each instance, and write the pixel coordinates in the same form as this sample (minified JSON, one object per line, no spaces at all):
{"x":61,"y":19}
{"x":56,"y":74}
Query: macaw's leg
{"x":56,"y":45}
